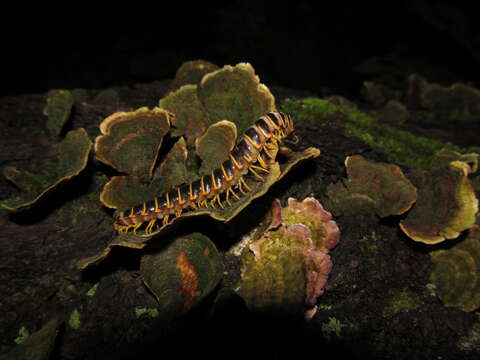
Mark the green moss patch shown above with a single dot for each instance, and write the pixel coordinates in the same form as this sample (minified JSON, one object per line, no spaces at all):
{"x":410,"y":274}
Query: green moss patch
{"x":403,"y":302}
{"x":402,"y":147}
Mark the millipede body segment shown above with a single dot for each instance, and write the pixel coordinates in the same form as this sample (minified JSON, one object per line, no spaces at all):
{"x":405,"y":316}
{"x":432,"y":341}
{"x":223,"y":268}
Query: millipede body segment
{"x":252,"y":155}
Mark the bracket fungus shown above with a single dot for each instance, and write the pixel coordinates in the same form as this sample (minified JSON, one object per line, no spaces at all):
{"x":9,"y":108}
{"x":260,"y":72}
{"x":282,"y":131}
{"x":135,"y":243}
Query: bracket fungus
{"x":456,"y":272}
{"x":121,"y":192}
{"x":73,"y":152}
{"x":215,"y":144}
{"x":39,"y":345}
{"x":371,"y":187}
{"x":287,"y":267}
{"x":207,"y":118}
{"x":453,"y":100}
{"x":445,"y":156}
{"x":454,"y":104}
{"x":58,"y":109}
{"x":232,"y":93}
{"x":182,"y":273}
{"x":394,"y":112}
{"x":190,"y":120}
{"x":377,"y":94}
{"x":277,"y":172}
{"x":192,"y":72}
{"x":130,"y":141}
{"x":446,"y":204}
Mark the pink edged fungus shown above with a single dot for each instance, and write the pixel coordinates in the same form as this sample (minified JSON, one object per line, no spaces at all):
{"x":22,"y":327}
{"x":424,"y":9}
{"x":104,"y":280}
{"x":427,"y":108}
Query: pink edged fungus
{"x":287,"y":268}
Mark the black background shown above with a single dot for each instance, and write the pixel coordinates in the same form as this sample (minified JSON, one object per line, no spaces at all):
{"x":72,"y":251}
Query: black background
{"x":299,"y":44}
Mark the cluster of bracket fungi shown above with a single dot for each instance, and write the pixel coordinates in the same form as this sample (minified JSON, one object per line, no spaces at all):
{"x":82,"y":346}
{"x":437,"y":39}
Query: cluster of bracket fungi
{"x":202,"y":115}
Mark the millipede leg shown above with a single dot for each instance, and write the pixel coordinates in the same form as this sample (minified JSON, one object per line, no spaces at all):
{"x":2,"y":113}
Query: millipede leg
{"x":268,"y":153}
{"x":240,"y":187}
{"x":202,"y":204}
{"x":242,"y":183}
{"x":245,"y":184}
{"x":217,"y":197}
{"x":234,"y":194}
{"x":263,"y":164}
{"x":151,"y":224}
{"x":272,"y":145}
{"x":135,"y":227}
{"x":255,"y":173}
{"x":165,"y":219}
{"x":260,"y":168}
{"x":227,"y":197}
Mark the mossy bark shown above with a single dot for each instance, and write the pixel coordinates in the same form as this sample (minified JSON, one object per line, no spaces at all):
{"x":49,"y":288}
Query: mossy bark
{"x":39,"y":248}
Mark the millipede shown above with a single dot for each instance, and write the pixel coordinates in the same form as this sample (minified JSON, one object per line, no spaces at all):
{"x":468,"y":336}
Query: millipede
{"x":252,"y":155}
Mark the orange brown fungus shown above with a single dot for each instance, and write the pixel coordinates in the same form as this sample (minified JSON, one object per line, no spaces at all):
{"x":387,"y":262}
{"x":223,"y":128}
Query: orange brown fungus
{"x":188,"y":280}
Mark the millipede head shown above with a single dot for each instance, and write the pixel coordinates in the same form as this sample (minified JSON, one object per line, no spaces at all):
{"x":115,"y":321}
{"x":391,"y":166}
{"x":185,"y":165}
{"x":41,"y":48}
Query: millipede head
{"x":279,"y":124}
{"x":289,"y":127}
{"x":285,"y":122}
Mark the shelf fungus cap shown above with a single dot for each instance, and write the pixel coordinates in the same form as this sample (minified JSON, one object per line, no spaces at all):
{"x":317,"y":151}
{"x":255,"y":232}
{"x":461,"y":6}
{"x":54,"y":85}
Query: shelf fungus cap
{"x":446,"y":204}
{"x":72,"y":157}
{"x":287,"y":268}
{"x":183,"y":273}
{"x":325,"y":233}
{"x":232,"y":93}
{"x":456,"y":272}
{"x":371,"y":187}
{"x":130,"y":141}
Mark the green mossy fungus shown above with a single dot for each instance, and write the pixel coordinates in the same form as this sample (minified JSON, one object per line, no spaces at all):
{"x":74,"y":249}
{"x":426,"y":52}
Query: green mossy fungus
{"x":278,"y":281}
{"x":57,"y":110}
{"x":286,"y":268}
{"x":456,"y":272}
{"x":371,"y":187}
{"x":130,"y":141}
{"x":183,"y":273}
{"x":73,"y":154}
